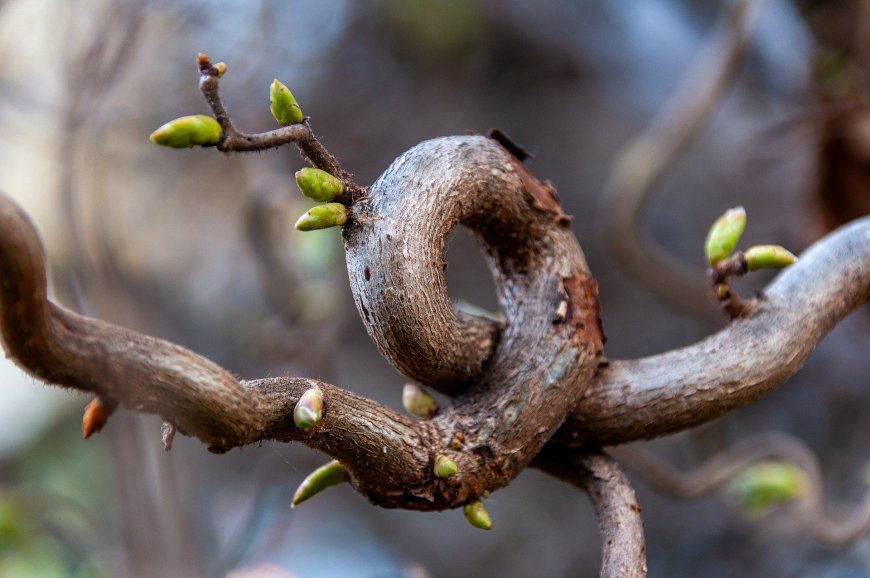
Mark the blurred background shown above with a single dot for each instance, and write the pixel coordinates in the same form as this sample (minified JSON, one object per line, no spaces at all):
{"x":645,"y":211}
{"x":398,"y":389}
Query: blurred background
{"x":198,"y":248}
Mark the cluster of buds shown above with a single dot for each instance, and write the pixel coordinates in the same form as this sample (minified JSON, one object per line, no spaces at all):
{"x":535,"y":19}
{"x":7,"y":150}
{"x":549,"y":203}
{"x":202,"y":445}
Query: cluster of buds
{"x":724,"y":235}
{"x":203,"y":130}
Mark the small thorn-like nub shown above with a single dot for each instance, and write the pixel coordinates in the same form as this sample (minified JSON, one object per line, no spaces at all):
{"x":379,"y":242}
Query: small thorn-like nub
{"x":724,"y":235}
{"x":322,"y":217}
{"x":318,"y":185}
{"x":323,"y":477}
{"x":768,"y":257}
{"x":763,"y":485}
{"x":203,"y":62}
{"x":309,"y":409}
{"x":167,"y":435}
{"x":188,"y":131}
{"x":283,"y":104}
{"x":418,"y":402}
{"x":445,"y":467}
{"x":97,"y":414}
{"x":477,"y":516}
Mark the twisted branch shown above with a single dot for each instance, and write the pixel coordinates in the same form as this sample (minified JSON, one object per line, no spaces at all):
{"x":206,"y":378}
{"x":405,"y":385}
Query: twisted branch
{"x":626,"y":400}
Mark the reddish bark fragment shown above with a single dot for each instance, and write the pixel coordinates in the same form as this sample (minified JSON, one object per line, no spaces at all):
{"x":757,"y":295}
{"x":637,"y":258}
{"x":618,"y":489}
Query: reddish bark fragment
{"x":581,"y":291}
{"x":543,"y":195}
{"x":96,"y":415}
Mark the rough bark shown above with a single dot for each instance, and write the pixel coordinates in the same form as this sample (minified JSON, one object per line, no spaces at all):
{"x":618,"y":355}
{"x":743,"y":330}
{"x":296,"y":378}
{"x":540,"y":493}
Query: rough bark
{"x":515,"y":385}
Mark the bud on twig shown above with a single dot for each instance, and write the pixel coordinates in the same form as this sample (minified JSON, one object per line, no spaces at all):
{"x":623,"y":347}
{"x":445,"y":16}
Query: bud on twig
{"x":445,"y":467}
{"x":309,"y":409}
{"x":96,"y":416}
{"x":221,"y":68}
{"x":724,"y":235}
{"x":323,"y":217}
{"x":477,"y":516}
{"x":283,"y":105}
{"x":417,"y":402}
{"x":318,"y":185}
{"x":768,"y":257}
{"x":323,"y":477}
{"x":766,"y":484}
{"x":188,"y":131}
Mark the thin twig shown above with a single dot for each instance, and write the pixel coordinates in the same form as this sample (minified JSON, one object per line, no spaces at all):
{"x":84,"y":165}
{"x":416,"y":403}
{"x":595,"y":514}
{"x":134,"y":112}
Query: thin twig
{"x":720,"y":275}
{"x":299,"y":134}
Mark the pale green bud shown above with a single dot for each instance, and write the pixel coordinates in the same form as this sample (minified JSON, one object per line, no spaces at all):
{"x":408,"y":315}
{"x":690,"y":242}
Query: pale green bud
{"x":445,"y":467}
{"x":318,"y":185}
{"x":766,"y":484}
{"x":309,"y":409}
{"x":188,"y":131}
{"x":323,"y":477}
{"x":221,"y":68}
{"x":417,"y":402}
{"x":724,"y":235}
{"x":283,"y":105}
{"x":768,"y":257}
{"x":477,"y":516}
{"x":323,"y":217}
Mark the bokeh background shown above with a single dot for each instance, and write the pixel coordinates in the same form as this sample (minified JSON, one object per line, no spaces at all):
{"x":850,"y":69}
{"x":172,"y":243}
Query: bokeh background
{"x":197,"y":247}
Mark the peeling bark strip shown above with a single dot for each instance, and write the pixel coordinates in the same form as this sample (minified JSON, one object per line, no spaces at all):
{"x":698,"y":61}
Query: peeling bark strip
{"x":543,"y":195}
{"x":582,"y":311}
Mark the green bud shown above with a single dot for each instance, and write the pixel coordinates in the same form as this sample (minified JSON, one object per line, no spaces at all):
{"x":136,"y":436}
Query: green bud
{"x":318,"y":185}
{"x":724,"y":235}
{"x":766,"y":484}
{"x":445,"y":467}
{"x":323,"y":477}
{"x":309,"y":409}
{"x":221,"y":68}
{"x":768,"y":257}
{"x":282,"y":104}
{"x":417,"y":402}
{"x":323,"y":217}
{"x":188,"y":131}
{"x":477,"y":516}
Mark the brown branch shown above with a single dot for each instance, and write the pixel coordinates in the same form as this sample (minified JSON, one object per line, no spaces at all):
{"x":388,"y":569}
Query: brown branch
{"x":516,"y":387}
{"x":686,"y":387}
{"x":720,"y":469}
{"x":719,"y":277}
{"x":519,"y":400}
{"x":645,"y":159}
{"x":300,"y":134}
{"x":624,"y":547}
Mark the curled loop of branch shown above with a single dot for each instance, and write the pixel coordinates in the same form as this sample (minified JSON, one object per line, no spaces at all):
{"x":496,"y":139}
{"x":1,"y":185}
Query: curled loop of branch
{"x":516,"y":386}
